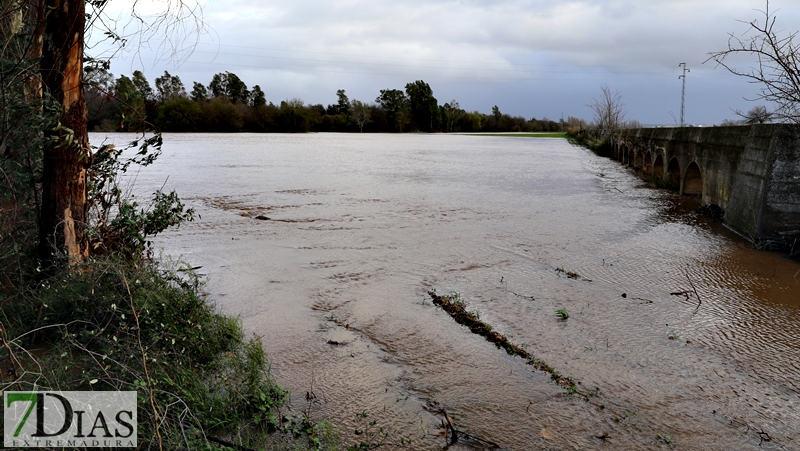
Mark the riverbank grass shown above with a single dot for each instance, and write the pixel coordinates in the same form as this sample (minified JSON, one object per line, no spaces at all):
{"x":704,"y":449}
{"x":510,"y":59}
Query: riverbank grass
{"x":110,"y":325}
{"x":524,"y":135}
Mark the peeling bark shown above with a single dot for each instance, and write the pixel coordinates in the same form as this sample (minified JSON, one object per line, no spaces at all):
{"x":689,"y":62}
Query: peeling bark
{"x":64,"y":208}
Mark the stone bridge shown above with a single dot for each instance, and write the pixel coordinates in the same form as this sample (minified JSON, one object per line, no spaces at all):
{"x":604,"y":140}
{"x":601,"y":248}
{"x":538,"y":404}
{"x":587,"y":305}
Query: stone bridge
{"x":751,"y":172}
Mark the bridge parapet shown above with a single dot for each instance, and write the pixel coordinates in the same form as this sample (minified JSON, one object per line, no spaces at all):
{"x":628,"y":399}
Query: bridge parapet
{"x":750,"y":172}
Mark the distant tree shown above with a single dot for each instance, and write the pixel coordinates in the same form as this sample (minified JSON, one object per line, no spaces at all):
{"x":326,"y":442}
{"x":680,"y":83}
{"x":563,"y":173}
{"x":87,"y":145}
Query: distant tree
{"x":496,"y":113}
{"x":378,"y":121}
{"x":472,"y":122}
{"x":125,"y":90}
{"x":148,"y":97}
{"x":169,"y":87}
{"x":179,"y":114}
{"x":423,"y":105}
{"x":777,"y":66}
{"x":608,"y":112}
{"x":142,"y":85}
{"x":495,"y":121}
{"x":452,"y":113}
{"x":99,"y":93}
{"x":757,"y":115}
{"x":317,"y":109}
{"x":237,"y":90}
{"x":294,"y":102}
{"x":220,"y":115}
{"x":394,"y":102}
{"x":262,"y":118}
{"x":199,"y":92}
{"x":444,"y":117}
{"x":98,"y":77}
{"x":361,"y":113}
{"x":575,"y":123}
{"x":131,"y":103}
{"x":293,"y":117}
{"x":218,"y":86}
{"x":343,"y":104}
{"x":257,"y":97}
{"x":317,"y":120}
{"x":229,"y":85}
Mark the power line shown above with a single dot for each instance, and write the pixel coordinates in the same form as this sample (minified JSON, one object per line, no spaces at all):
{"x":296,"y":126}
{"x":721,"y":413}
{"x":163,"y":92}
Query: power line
{"x":642,"y":68}
{"x":619,"y":66}
{"x":396,"y":74}
{"x":590,"y":70}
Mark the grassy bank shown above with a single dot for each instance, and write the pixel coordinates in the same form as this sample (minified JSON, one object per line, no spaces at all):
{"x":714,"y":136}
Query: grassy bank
{"x":596,"y":144}
{"x":109,"y":325}
{"x":525,"y":135}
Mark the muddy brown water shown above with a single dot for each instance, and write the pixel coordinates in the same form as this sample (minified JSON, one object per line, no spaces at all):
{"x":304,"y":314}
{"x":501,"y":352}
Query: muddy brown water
{"x":362,"y":226}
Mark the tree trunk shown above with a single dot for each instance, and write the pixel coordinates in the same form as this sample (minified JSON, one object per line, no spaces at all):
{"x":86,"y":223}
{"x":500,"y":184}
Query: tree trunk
{"x":64,"y":208}
{"x":36,"y":16}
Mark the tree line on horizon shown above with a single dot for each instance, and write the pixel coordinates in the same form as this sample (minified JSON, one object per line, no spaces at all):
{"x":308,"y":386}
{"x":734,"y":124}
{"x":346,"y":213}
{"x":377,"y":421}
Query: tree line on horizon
{"x":226,"y":104}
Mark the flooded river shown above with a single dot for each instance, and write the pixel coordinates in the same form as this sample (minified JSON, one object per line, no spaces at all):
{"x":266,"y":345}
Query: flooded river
{"x":361,"y":226}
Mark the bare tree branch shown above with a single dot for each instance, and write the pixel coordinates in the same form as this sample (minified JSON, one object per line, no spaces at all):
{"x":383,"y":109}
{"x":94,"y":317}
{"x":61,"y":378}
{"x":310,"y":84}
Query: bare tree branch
{"x":775,"y":67}
{"x":608,"y":112}
{"x":172,"y":33}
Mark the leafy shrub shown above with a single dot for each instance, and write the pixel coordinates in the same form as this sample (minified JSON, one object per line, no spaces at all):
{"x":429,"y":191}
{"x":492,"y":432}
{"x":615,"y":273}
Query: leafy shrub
{"x":119,"y":224}
{"x":110,"y":326}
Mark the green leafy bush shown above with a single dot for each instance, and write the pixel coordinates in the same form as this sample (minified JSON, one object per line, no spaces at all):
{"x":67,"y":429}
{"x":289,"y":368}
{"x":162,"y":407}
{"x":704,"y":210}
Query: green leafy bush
{"x":110,"y":326}
{"x":120,"y":225}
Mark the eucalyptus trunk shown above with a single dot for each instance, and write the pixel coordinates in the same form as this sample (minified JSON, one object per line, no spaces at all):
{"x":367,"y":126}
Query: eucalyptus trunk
{"x":62,"y":230}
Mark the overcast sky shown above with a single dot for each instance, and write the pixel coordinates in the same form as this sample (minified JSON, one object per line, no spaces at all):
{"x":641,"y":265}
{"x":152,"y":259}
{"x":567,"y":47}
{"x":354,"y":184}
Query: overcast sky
{"x":530,"y":58}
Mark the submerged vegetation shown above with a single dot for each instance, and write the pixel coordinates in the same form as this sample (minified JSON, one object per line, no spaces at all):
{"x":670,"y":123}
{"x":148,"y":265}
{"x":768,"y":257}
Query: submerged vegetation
{"x":456,"y":308}
{"x":569,"y":274}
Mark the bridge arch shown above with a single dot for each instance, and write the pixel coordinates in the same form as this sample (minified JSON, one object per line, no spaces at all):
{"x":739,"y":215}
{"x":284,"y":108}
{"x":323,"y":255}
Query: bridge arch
{"x":648,"y":162}
{"x":674,"y":172}
{"x":658,"y":166}
{"x":693,"y":180}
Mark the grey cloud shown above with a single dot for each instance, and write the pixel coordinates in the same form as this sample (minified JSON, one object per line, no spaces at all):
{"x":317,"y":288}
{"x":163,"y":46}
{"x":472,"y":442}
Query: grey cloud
{"x":474,"y":49}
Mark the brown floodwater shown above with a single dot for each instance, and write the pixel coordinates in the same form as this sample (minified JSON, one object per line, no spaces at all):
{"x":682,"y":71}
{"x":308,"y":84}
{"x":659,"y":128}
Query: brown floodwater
{"x":361,"y":226}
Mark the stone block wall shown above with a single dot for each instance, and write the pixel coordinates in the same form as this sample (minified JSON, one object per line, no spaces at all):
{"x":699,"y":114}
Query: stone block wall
{"x":751,"y":172}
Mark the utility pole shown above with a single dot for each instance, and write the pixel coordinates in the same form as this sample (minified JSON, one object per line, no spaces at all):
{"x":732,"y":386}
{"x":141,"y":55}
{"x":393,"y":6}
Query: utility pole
{"x":683,"y":88}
